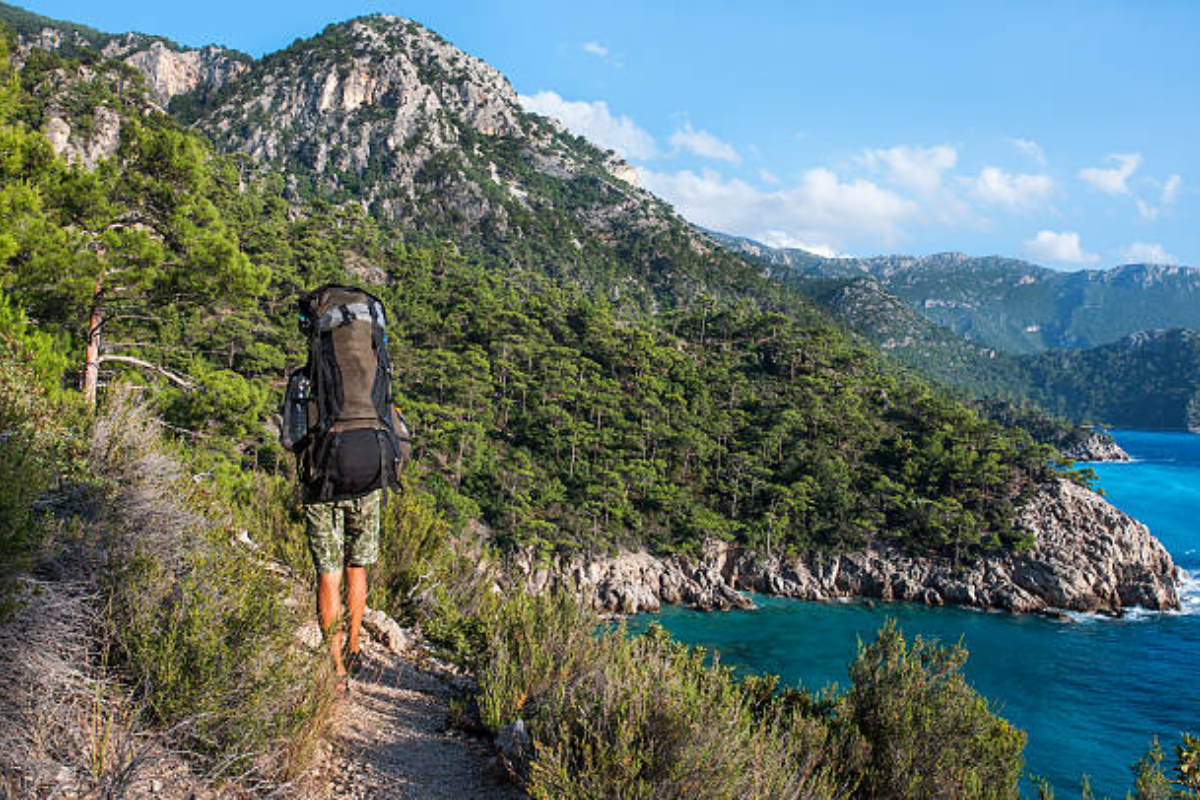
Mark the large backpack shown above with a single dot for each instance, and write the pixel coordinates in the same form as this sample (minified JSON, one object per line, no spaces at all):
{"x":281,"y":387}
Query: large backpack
{"x":339,"y":417}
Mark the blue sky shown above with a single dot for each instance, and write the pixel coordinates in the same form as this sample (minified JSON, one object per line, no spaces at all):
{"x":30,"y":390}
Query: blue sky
{"x":1067,"y":133}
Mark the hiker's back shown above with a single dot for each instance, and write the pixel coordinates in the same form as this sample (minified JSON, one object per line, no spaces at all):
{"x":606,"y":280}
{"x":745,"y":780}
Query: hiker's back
{"x":354,"y":440}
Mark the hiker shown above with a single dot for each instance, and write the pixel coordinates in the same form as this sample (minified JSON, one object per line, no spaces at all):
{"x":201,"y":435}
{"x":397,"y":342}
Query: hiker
{"x":350,"y":443}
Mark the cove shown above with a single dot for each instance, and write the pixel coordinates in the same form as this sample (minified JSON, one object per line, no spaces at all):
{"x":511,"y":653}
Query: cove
{"x":1089,"y":692}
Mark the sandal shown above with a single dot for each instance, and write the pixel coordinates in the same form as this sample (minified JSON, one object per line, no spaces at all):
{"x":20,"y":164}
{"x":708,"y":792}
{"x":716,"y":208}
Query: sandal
{"x":354,"y":663}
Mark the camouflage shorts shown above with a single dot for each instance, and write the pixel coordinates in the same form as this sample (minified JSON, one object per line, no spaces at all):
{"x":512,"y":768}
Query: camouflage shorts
{"x":348,"y":528}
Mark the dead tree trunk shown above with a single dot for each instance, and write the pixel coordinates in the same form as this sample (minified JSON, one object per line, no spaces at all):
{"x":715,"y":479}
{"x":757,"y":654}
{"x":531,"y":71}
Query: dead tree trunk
{"x":91,"y":361}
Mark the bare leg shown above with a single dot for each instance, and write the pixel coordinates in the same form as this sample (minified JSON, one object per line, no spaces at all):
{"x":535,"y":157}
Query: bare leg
{"x":329,"y":611}
{"x":356,"y":599}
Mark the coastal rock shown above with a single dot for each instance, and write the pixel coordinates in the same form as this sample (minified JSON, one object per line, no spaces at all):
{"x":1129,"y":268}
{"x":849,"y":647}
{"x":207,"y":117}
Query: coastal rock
{"x":1097,"y":447}
{"x":631,"y":582}
{"x":1092,"y":557}
{"x":1089,"y":556}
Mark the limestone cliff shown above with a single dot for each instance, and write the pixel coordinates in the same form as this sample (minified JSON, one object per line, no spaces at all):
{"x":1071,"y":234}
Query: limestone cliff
{"x":171,"y":71}
{"x":85,"y":101}
{"x":1089,"y":557}
{"x":167,"y":68}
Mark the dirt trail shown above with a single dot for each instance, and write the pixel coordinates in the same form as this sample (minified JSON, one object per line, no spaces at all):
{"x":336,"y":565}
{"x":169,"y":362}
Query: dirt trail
{"x":389,"y":738}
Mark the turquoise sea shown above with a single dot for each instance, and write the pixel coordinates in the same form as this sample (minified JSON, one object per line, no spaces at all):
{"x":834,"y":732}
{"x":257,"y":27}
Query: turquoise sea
{"x":1090,"y":692}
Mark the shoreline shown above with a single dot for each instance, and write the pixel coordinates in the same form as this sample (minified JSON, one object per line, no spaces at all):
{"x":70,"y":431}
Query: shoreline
{"x":1089,"y":557}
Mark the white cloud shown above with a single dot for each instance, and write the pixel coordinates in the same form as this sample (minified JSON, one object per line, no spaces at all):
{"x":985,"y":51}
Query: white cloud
{"x":1170,"y":190}
{"x":768,"y":176}
{"x":1059,"y":248}
{"x":595,"y":122}
{"x":781,"y":239}
{"x":1169,"y":194}
{"x":704,"y":144}
{"x":917,"y":168}
{"x":1016,"y":192}
{"x":1147,"y":253}
{"x":920,"y":172}
{"x":821,"y":210}
{"x":1031,"y":149}
{"x":595,"y":48}
{"x":1112,"y":180}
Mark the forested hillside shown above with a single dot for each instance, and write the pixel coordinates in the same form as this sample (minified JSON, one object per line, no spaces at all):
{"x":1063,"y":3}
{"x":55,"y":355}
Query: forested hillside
{"x":1148,"y":380}
{"x":558,"y":417}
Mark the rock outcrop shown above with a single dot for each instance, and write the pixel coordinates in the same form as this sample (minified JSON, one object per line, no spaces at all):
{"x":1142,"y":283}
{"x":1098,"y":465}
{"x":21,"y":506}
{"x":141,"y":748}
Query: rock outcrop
{"x":1089,"y":557}
{"x":86,"y":145}
{"x":1097,"y":447}
{"x":631,"y":582}
{"x":169,"y":70}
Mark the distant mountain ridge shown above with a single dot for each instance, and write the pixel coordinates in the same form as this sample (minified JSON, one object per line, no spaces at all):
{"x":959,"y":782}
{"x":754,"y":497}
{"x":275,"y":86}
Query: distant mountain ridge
{"x":1009,"y":304}
{"x":1145,"y":379}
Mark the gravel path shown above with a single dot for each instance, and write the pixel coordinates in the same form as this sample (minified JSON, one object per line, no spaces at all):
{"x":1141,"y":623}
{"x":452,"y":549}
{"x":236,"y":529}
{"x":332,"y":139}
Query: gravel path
{"x":390,"y":739}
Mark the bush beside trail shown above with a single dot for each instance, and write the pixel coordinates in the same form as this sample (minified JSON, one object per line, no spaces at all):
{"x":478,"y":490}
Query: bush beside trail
{"x":139,"y":632}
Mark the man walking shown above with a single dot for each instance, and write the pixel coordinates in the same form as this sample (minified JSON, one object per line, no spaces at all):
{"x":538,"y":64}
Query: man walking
{"x":350,"y":443}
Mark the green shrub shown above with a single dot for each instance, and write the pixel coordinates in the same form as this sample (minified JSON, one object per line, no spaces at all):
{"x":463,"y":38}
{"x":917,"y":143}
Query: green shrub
{"x":415,"y":553}
{"x":212,"y":644}
{"x":445,"y":583}
{"x":534,"y":644}
{"x":37,"y":443}
{"x":614,"y":716}
{"x":267,"y":508}
{"x":1153,"y":782}
{"x":649,"y":719}
{"x":928,"y":733}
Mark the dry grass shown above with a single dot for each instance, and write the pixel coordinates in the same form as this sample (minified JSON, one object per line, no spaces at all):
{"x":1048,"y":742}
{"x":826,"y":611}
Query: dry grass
{"x":65,"y":721}
{"x":146,"y":651}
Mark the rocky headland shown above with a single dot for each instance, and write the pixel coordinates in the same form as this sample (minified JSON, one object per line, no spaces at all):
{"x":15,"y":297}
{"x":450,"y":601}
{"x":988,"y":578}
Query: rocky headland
{"x":1089,"y":557}
{"x":1097,"y":447}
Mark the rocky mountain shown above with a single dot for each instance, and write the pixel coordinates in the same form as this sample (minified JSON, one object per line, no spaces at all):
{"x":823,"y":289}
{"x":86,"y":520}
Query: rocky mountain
{"x":1012,"y":305}
{"x":387,"y":113}
{"x":168,"y":69}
